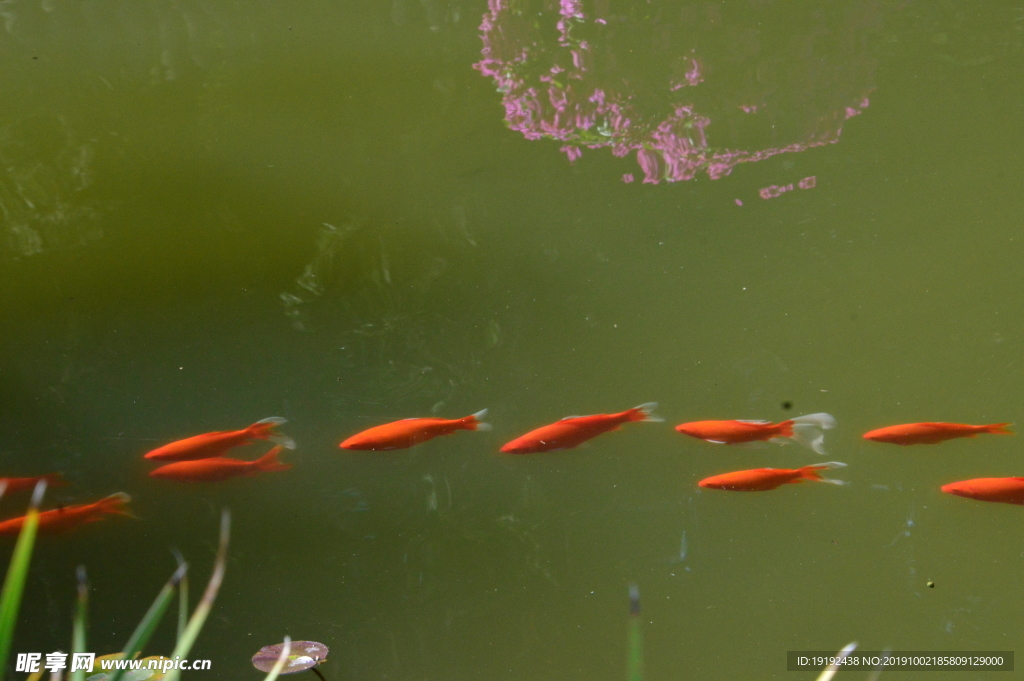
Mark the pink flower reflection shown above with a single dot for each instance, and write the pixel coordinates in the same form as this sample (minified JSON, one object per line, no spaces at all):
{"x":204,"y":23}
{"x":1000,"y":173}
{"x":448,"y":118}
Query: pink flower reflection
{"x":572,"y":152}
{"x":675,"y":88}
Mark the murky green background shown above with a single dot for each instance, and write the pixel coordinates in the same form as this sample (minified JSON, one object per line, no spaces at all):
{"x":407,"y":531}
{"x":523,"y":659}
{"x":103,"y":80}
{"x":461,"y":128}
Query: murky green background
{"x":166,"y":173}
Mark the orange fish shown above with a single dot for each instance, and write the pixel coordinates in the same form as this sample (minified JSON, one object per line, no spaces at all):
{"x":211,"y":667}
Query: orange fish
{"x":1006,"y":490}
{"x":932,"y":433}
{"x":208,"y":445}
{"x":763,"y":479}
{"x":69,"y":517}
{"x":408,"y":432}
{"x":22,"y":484}
{"x":573,"y":431}
{"x":220,"y":468}
{"x":805,"y":430}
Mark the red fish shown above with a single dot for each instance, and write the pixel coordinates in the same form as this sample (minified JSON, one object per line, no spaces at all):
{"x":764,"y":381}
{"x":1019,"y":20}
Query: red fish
{"x":408,"y":432}
{"x":208,"y":445}
{"x":22,"y":484}
{"x":805,"y":430}
{"x":220,"y":468}
{"x":1006,"y":490}
{"x":573,"y":431}
{"x":763,"y":479}
{"x":932,"y":433}
{"x":69,"y":517}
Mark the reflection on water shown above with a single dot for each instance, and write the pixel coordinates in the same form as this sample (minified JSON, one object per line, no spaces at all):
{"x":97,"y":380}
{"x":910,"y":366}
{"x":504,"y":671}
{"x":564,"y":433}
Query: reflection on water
{"x":45,"y":176}
{"x":692,"y":87}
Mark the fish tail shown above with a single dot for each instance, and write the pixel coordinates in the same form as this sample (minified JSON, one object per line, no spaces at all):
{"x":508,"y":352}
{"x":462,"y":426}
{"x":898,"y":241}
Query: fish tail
{"x":645,"y":412}
{"x":811,"y":472}
{"x":474,"y":422}
{"x":269,"y":462}
{"x":807,"y":430}
{"x":117,"y":504}
{"x":265,"y":430}
{"x":998,"y":429}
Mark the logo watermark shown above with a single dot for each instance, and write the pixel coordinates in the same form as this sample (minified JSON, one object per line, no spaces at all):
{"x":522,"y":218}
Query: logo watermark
{"x":58,"y":661}
{"x":902,"y":660}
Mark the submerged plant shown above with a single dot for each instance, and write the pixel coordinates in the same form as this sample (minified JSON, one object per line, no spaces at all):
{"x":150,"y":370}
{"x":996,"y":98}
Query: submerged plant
{"x":17,"y":570}
{"x":163,"y":669}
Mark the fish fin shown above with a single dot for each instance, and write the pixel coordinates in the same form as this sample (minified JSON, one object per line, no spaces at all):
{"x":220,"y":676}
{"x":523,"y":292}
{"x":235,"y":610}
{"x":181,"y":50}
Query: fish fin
{"x":264,"y":430}
{"x":717,"y":442}
{"x":646,"y":412}
{"x":269,"y":462}
{"x":999,"y":429}
{"x":758,"y":422}
{"x":810,"y":437}
{"x":811,"y":472}
{"x":475,"y":423}
{"x":807,"y":431}
{"x":819,"y":420}
{"x":274,"y":420}
{"x":117,"y":503}
{"x":283,"y":440}
{"x":566,"y":418}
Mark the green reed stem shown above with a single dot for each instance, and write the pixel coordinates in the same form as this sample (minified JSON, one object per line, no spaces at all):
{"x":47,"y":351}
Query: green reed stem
{"x":81,"y":612}
{"x":281,"y":659}
{"x":144,"y":631}
{"x":182,"y":598}
{"x":17,"y":571}
{"x":830,"y":671}
{"x":195,"y":624}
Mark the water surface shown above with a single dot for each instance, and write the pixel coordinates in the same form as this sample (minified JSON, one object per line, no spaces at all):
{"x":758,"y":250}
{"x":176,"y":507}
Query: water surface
{"x":214,"y":213}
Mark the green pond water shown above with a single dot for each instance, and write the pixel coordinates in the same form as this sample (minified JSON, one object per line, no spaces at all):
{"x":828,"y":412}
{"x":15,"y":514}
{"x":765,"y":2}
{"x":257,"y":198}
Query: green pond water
{"x":216,"y":212}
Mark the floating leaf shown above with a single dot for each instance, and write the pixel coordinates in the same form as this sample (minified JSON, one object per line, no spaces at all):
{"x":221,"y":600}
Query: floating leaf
{"x":304,"y":655}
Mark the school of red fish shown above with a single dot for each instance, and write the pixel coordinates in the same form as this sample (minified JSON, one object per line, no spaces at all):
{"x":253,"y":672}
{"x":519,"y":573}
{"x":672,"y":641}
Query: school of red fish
{"x":203,"y":458}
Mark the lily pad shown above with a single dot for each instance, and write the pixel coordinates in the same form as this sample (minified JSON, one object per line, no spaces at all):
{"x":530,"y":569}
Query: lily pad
{"x":304,"y":655}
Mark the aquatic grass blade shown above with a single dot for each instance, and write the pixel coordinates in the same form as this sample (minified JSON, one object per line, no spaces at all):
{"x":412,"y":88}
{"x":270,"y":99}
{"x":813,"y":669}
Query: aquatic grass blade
{"x":144,"y":631}
{"x":279,"y":665}
{"x":17,"y":570}
{"x":195,"y":624}
{"x":635,"y":659}
{"x":81,"y":612}
{"x":830,"y":671}
{"x":877,"y":671}
{"x":182,"y":598}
